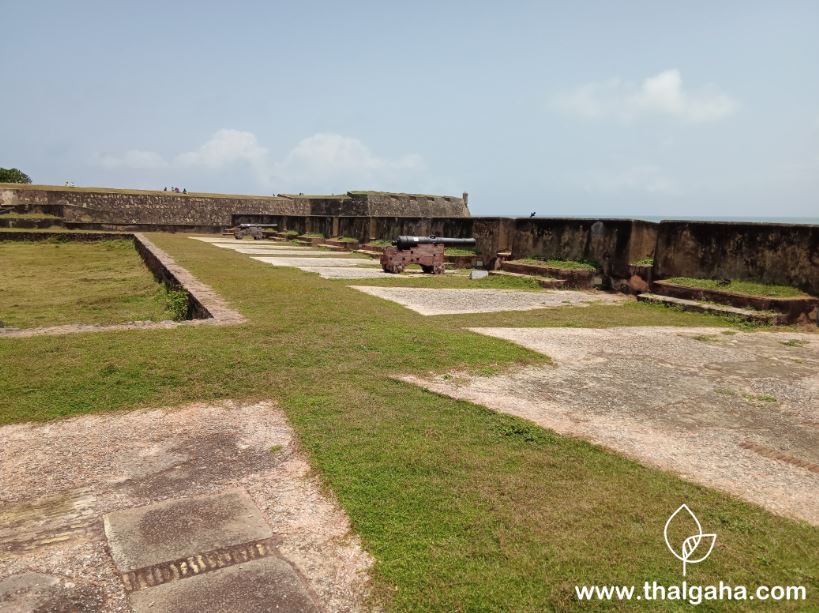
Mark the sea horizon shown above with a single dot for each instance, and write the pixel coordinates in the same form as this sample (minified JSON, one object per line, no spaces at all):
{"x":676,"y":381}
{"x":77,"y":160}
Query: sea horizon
{"x":811,"y":221}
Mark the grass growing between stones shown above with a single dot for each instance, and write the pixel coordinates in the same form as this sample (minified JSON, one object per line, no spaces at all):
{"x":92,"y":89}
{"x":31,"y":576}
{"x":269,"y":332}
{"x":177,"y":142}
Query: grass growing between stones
{"x":49,"y":283}
{"x":552,"y":263}
{"x":462,"y":508}
{"x":742,"y":287}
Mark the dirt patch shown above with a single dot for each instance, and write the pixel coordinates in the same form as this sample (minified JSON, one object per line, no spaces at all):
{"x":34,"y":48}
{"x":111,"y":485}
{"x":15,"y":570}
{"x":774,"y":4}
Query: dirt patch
{"x":458,"y":301}
{"x":698,"y":402}
{"x":58,"y":479}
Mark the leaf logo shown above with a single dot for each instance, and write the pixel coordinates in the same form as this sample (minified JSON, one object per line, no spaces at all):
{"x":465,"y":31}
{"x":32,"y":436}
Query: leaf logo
{"x":692,"y":544}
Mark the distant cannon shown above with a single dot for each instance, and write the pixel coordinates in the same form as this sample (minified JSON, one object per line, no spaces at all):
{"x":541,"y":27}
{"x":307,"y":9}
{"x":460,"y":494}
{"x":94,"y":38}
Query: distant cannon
{"x":256,"y":230}
{"x":428,"y":251}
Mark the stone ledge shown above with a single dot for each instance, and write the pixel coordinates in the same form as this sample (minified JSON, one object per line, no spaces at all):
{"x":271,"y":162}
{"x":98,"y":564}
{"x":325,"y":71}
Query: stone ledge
{"x":574,"y":277}
{"x":715,"y":309}
{"x":794,"y":308}
{"x":207,"y":306}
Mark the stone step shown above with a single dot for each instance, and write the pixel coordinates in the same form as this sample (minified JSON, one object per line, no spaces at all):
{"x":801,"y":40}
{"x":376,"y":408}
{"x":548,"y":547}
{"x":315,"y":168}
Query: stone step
{"x":796,"y":308}
{"x":579,"y":278}
{"x":696,"y":306}
{"x":545,"y":282}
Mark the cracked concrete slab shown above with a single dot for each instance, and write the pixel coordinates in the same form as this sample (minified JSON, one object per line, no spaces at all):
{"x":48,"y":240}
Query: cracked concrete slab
{"x":360,"y":272}
{"x":53,"y":498}
{"x":33,"y":591}
{"x":244,"y":246}
{"x":737,"y":411}
{"x":268,"y":584}
{"x":285,"y":252}
{"x":315,"y":262}
{"x":143,"y":536}
{"x":432,"y":301}
{"x":218,"y":240}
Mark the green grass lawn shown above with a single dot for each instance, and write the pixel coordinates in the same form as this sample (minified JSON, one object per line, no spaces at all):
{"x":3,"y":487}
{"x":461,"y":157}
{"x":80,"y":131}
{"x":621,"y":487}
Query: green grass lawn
{"x":742,"y":287}
{"x":462,"y":508}
{"x":49,"y":283}
{"x":459,"y":251}
{"x":552,"y":263}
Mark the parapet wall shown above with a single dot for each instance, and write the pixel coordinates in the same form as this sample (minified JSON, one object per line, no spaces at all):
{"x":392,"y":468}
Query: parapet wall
{"x":770,"y":253}
{"x":612,"y":243}
{"x":166,"y":209}
{"x":129,"y":208}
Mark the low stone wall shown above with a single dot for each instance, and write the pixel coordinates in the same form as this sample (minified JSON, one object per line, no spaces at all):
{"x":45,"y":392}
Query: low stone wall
{"x":794,"y":308}
{"x":204,"y":303}
{"x":769,"y":253}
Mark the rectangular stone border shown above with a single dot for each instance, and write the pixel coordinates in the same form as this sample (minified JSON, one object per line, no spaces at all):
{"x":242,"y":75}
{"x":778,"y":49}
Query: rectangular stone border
{"x":580,"y":278}
{"x":794,"y":308}
{"x":207,"y":307}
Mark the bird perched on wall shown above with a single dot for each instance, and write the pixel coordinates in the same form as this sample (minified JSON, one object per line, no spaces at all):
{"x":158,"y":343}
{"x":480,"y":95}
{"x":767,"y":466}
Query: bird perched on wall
{"x":533,"y":214}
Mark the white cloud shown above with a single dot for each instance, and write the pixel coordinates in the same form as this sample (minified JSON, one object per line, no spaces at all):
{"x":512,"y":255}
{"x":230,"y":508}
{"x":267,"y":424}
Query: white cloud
{"x":321,"y":162}
{"x":336,"y":160}
{"x":133,"y":158}
{"x":643,"y":178}
{"x":225,"y":147}
{"x":661,"y":94}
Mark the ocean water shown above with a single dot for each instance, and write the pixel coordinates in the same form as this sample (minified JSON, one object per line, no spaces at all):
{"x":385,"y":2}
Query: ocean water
{"x":786,"y":220}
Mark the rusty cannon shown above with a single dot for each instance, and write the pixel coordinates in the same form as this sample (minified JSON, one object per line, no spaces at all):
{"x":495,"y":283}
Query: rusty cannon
{"x":428,"y":251}
{"x":256,"y":230}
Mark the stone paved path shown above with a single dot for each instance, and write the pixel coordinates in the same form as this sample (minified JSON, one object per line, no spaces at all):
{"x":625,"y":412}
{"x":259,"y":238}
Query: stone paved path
{"x":735,"y":411}
{"x":330,"y":264}
{"x":431,"y":301}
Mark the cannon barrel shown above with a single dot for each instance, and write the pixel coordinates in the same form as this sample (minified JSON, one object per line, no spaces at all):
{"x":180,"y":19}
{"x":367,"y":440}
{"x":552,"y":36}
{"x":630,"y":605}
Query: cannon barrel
{"x":408,"y":242}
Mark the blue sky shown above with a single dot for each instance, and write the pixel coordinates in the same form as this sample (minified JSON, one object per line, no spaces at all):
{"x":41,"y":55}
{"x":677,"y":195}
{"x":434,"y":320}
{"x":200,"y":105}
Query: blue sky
{"x":564,"y":108}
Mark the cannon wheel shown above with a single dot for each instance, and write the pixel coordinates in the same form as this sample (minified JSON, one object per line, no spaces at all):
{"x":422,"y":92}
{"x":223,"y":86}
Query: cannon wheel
{"x":438,"y":269}
{"x":395,"y":269}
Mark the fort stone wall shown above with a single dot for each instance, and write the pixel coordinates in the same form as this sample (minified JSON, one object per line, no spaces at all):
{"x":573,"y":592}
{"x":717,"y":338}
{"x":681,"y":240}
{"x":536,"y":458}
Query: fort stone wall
{"x":783,"y":254}
{"x":165,"y":209}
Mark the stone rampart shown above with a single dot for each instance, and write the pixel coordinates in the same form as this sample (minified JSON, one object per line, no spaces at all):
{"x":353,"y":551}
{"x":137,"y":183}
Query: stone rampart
{"x":769,"y":253}
{"x":163,"y":209}
{"x":784,"y":254}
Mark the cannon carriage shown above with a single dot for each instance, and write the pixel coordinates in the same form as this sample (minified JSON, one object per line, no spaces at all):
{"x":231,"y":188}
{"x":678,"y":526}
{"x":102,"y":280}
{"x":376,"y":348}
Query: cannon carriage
{"x":427,"y":251}
{"x":255,"y":230}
